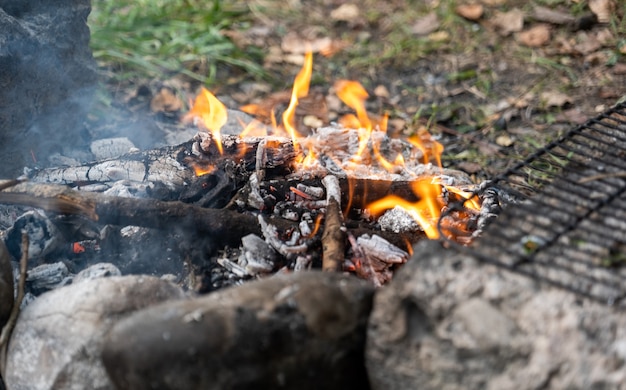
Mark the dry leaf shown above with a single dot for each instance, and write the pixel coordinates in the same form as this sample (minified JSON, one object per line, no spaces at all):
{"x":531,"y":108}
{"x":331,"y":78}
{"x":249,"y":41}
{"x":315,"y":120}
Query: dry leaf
{"x":491,"y":3}
{"x":619,"y":69}
{"x":470,"y":11}
{"x":587,"y":43}
{"x":345,"y":13}
{"x":470,"y":167}
{"x":381,"y":91}
{"x":165,"y":101}
{"x":295,"y":44}
{"x":425,"y":25}
{"x":609,"y":93}
{"x":508,"y":22}
{"x":602,"y":9}
{"x":573,"y":115}
{"x":439,"y":36}
{"x":555,"y":99}
{"x":536,"y":36}
{"x":504,"y":140}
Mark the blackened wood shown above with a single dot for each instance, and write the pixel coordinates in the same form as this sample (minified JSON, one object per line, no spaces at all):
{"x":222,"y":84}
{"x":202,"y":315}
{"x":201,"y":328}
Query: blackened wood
{"x":224,"y":225}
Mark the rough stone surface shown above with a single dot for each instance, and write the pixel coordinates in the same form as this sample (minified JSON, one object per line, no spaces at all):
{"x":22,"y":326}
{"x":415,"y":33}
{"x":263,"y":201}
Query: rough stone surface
{"x":57,"y":341}
{"x":47,"y":76}
{"x":449,"y":322}
{"x":299,"y":331}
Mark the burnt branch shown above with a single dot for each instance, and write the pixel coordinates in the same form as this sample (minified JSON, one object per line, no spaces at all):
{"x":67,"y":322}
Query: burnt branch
{"x":224,"y":225}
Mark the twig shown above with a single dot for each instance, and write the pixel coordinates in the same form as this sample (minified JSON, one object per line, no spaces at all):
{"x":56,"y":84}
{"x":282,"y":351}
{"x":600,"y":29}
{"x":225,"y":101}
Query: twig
{"x":8,"y":328}
{"x":333,"y":238}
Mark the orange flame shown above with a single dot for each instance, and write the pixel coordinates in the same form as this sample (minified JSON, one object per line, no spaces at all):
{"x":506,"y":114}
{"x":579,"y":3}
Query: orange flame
{"x":354,"y":95}
{"x":300,"y":90}
{"x":431,"y":149}
{"x":201,"y":170}
{"x":426,"y":211}
{"x":211,"y":113}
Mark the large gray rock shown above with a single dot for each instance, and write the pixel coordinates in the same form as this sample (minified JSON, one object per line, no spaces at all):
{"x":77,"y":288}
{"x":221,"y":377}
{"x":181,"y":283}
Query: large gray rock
{"x":47,"y":78}
{"x":447,"y":321}
{"x":58,"y":338}
{"x":299,"y":331}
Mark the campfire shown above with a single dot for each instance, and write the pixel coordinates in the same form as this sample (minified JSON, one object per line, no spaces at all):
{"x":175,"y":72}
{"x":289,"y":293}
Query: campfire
{"x":347,"y":182}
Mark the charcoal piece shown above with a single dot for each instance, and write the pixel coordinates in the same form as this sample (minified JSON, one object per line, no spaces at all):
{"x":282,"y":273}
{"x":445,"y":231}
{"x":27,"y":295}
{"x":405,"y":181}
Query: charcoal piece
{"x":213,"y":190}
{"x":296,"y":331}
{"x":44,"y":237}
{"x":47,"y":74}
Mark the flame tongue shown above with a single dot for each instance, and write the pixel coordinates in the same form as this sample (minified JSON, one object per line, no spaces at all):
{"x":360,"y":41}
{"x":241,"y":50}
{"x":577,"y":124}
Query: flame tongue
{"x":300,"y":90}
{"x":211,"y":113}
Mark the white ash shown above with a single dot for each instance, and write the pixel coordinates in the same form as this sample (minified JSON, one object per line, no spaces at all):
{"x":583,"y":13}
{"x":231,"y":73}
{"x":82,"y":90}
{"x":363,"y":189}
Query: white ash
{"x":256,"y":255}
{"x":302,"y":263}
{"x":289,"y":249}
{"x":315,"y":192}
{"x":398,"y":220}
{"x":233,"y":267}
{"x":377,"y":248}
{"x":111,"y":147}
{"x":48,"y":276}
{"x":99,"y":270}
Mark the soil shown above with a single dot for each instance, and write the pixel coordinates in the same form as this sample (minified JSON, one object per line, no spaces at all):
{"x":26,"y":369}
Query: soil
{"x":493,"y":88}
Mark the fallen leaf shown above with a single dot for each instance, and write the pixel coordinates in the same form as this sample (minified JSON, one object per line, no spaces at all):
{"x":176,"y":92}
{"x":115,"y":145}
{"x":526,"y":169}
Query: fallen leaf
{"x":470,"y":167}
{"x":381,"y":91}
{"x":492,"y":3}
{"x":602,"y":9}
{"x":312,"y":121}
{"x":504,"y":140}
{"x":439,"y":36}
{"x":165,"y":101}
{"x":573,"y":115}
{"x":555,"y":99}
{"x":345,"y":13}
{"x":609,"y":93}
{"x":295,"y":44}
{"x":508,"y":22}
{"x":471,"y":12}
{"x":619,"y":69}
{"x":425,"y":25}
{"x":536,"y":36}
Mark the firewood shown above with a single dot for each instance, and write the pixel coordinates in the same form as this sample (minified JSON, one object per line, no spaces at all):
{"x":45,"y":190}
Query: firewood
{"x":333,"y":238}
{"x":224,"y":225}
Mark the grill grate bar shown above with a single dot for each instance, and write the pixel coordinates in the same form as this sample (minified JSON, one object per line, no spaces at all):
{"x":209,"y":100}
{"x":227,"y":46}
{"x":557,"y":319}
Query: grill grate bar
{"x":567,"y":225}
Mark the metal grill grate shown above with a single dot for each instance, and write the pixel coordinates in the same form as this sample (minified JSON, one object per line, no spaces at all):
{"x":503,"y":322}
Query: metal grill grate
{"x":568,"y":226}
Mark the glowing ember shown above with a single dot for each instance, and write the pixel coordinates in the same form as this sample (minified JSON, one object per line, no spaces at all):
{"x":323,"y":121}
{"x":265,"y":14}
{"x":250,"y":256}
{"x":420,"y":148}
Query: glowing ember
{"x":211,"y":113}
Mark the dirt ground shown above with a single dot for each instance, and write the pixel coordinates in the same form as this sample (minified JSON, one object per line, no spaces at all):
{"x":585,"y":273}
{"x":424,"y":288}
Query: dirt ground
{"x":494,"y":80}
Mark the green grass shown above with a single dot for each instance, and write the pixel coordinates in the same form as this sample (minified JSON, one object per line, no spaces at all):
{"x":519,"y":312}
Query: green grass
{"x":154,"y":37}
